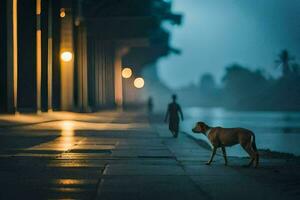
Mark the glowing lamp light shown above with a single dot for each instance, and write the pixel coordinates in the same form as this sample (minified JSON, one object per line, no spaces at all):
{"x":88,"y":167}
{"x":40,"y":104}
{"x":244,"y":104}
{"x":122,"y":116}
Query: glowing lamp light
{"x":126,"y":72}
{"x":66,"y":56}
{"x":62,"y":13}
{"x":139,"y":82}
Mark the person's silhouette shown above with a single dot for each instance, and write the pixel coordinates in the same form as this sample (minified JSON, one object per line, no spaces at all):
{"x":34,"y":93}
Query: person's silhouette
{"x":150,"y":105}
{"x":172,"y":114}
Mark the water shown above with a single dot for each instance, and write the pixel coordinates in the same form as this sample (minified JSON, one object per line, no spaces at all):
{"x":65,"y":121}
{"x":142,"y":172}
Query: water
{"x":277,"y":131}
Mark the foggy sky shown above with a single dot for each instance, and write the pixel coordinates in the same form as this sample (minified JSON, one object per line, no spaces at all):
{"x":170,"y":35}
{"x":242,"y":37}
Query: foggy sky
{"x":216,"y":33}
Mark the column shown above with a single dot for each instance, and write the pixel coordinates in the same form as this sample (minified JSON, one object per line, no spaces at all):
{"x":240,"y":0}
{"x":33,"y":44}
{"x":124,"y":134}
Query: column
{"x":118,"y":78}
{"x":55,"y":68}
{"x":27,"y":56}
{"x":3,"y":56}
{"x":8,"y":56}
{"x":82,"y":72}
{"x":50,"y":57}
{"x":38,"y":55}
{"x":44,"y":15}
{"x":67,"y":66}
{"x":91,"y":72}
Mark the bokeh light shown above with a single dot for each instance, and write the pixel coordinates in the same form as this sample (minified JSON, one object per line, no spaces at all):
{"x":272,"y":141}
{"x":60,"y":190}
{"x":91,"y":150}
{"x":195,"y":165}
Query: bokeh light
{"x":126,"y":72}
{"x":139,"y":82}
{"x":66,"y":56}
{"x":62,"y":13}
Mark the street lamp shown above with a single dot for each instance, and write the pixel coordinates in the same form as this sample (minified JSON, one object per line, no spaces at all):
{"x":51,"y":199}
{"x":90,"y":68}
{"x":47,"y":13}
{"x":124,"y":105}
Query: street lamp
{"x":139,"y":82}
{"x":66,"y":56}
{"x":62,"y":13}
{"x":126,"y":72}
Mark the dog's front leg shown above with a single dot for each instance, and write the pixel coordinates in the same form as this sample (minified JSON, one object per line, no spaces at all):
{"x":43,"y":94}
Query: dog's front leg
{"x":212,"y":155}
{"x":224,"y":155}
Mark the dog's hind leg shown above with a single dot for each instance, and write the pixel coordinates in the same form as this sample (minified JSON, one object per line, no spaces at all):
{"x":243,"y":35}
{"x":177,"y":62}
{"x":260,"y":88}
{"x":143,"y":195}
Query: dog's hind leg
{"x":254,"y":149}
{"x":212,"y":156}
{"x":256,"y":159}
{"x":251,"y":153}
{"x":224,"y":155}
{"x":254,"y":153}
{"x":254,"y":156}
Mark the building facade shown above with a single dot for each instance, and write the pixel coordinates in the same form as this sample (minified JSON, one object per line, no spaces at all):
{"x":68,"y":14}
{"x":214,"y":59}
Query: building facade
{"x":68,"y":54}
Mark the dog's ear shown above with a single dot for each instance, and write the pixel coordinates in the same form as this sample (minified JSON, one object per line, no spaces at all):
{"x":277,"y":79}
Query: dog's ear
{"x":205,"y":126}
{"x":200,"y":124}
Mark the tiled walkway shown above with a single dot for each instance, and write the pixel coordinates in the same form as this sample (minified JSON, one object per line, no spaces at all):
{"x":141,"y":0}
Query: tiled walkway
{"x":116,"y":156}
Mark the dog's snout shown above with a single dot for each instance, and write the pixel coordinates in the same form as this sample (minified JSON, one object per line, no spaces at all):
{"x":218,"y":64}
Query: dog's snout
{"x":194,"y":130}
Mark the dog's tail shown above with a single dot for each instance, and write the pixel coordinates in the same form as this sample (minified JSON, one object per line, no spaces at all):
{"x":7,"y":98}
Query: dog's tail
{"x":253,"y":143}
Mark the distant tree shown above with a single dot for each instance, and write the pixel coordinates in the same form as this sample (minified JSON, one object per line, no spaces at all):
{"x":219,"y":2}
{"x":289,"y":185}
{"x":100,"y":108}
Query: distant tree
{"x":295,"y":67}
{"x":207,"y":83}
{"x":241,"y":85}
{"x":284,"y":59}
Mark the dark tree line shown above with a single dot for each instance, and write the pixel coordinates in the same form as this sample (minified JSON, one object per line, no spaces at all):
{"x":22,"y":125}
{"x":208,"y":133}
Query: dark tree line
{"x":247,"y":89}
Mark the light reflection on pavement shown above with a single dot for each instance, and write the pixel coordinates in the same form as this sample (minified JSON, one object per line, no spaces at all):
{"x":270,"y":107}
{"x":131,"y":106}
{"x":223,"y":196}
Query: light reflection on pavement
{"x":121,"y":156}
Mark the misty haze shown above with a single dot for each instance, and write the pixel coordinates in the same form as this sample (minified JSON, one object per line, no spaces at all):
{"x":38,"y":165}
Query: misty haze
{"x":150,"y":99}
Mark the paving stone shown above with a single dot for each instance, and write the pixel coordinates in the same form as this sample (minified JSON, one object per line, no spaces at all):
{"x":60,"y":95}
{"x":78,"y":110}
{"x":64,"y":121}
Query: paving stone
{"x":120,"y":156}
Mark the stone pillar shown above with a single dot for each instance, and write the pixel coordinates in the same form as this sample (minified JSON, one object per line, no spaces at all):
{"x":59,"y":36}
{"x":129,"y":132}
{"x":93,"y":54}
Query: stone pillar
{"x":118,"y":78}
{"x":3,"y":55}
{"x":13,"y":53}
{"x":67,"y":67}
{"x":50,"y":56}
{"x":44,"y":54}
{"x":91,"y":72}
{"x":8,"y":55}
{"x":101,"y":70}
{"x":55,"y":69}
{"x":27,"y":56}
{"x":82,"y":68}
{"x":106,"y":74}
{"x":38,"y":55}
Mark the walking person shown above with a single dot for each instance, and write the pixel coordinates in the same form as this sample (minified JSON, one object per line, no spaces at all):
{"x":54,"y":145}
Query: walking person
{"x":172,"y":115}
{"x":150,"y":105}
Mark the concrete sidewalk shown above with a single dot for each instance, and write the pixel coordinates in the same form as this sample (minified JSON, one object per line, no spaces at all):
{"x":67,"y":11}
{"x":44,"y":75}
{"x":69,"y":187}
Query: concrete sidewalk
{"x":116,"y":155}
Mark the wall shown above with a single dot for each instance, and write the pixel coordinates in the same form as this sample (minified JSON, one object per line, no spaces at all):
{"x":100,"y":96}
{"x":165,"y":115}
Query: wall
{"x":101,"y":60}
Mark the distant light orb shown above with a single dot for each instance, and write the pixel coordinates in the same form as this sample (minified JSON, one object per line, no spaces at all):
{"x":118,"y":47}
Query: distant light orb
{"x":66,"y":56}
{"x":77,"y":22}
{"x":62,"y":13}
{"x":126,"y":72}
{"x":139,"y":83}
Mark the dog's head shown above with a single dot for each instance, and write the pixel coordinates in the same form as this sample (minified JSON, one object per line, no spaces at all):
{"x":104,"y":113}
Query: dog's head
{"x":200,"y":127}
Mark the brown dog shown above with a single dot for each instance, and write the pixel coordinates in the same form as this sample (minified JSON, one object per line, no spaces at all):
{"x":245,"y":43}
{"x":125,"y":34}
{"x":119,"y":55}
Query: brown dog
{"x":222,"y":137}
